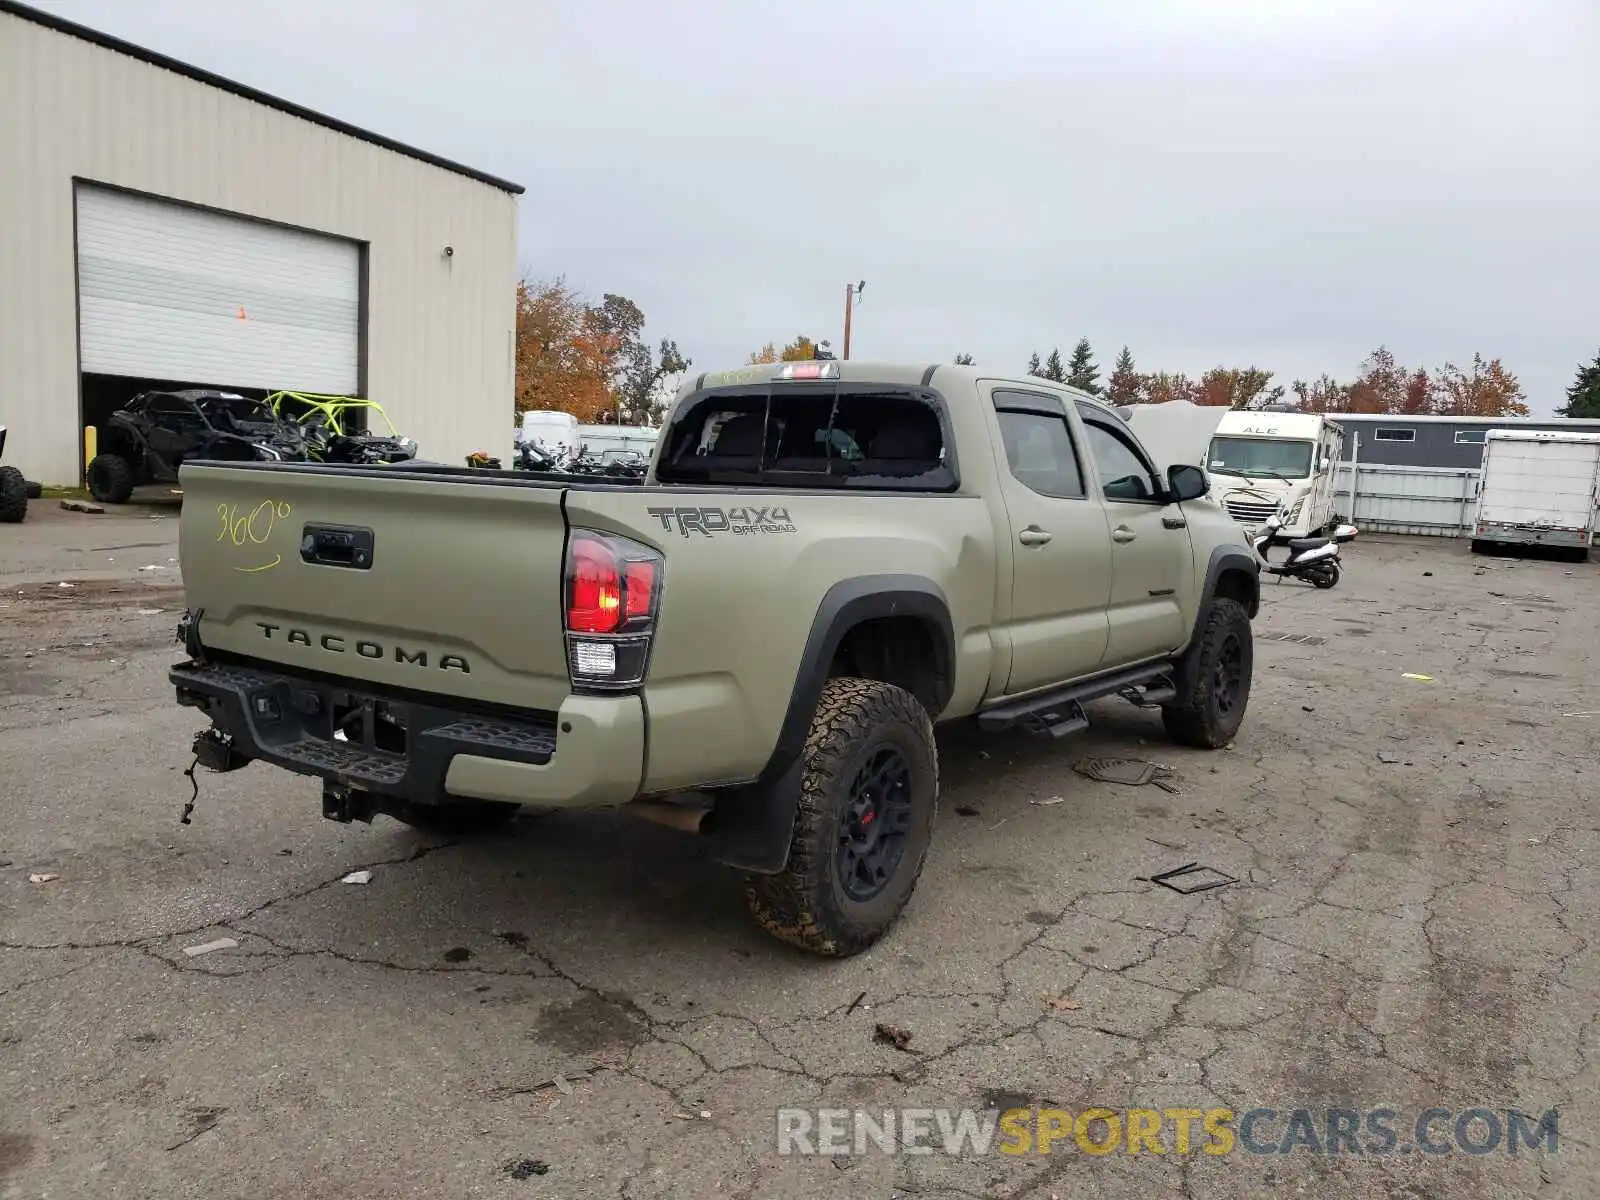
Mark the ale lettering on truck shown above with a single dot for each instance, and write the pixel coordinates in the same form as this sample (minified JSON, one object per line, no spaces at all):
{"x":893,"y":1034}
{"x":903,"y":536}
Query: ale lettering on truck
{"x":333,"y":643}
{"x":711,"y":521}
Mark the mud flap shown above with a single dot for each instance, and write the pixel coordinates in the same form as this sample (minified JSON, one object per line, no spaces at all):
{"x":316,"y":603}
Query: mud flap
{"x":751,"y":828}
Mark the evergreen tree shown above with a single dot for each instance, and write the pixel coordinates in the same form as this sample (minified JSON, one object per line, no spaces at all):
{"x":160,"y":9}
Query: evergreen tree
{"x":963,"y":360}
{"x":1082,"y":373}
{"x":1033,"y":365}
{"x":1125,"y":384}
{"x":1053,"y":369}
{"x":1583,"y":397}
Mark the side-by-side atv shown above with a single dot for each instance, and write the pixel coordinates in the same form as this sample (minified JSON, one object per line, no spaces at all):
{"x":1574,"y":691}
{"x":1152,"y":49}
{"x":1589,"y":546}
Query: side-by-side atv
{"x":148,"y":439}
{"x":15,"y":491}
{"x":342,"y":429}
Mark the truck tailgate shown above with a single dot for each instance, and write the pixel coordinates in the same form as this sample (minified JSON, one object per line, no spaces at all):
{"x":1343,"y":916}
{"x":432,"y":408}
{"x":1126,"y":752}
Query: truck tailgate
{"x":445,"y":587}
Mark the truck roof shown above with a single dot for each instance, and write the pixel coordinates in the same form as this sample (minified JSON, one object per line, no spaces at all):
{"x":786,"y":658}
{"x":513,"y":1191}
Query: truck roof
{"x":900,"y":374}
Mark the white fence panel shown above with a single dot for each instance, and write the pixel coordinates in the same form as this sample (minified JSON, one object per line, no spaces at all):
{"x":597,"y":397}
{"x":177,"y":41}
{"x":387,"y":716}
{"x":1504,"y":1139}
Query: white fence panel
{"x":1431,"y":501}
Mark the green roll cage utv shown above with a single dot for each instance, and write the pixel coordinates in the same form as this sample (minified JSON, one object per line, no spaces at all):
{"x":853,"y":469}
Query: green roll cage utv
{"x":341,"y":429}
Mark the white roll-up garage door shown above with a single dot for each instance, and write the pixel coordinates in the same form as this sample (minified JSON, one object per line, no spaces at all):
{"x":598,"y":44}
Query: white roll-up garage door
{"x":171,"y":292}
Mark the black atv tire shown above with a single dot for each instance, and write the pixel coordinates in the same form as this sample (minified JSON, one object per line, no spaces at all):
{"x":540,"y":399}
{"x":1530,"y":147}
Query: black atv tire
{"x":110,"y":478}
{"x":1219,"y":689}
{"x":456,"y":817}
{"x":13,"y":496}
{"x":35,"y":489}
{"x":846,"y":884}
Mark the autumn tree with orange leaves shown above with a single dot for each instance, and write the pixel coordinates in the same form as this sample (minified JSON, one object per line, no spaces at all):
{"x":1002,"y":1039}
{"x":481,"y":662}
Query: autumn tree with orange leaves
{"x":1382,"y":385}
{"x":589,"y":360}
{"x":1487,"y":389}
{"x":802,"y":349}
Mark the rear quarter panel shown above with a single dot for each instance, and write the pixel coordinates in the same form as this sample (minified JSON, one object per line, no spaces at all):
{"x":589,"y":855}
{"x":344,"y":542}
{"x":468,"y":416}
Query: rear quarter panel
{"x":737,"y":607}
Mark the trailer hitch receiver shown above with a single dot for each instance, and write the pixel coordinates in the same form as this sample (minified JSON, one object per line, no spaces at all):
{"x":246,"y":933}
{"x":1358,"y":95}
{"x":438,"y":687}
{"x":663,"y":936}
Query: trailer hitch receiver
{"x":215,"y":751}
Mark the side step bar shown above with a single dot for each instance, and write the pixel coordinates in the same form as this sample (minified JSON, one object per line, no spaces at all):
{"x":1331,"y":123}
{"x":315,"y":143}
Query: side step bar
{"x":1060,"y":712}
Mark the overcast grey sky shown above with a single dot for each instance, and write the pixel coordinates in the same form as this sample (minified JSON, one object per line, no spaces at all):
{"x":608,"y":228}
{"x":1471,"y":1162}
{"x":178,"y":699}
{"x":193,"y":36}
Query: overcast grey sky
{"x":1280,"y":182}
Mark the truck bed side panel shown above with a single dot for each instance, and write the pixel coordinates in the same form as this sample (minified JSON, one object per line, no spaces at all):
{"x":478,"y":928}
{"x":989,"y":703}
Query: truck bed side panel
{"x":462,"y":596}
{"x":745,"y":575}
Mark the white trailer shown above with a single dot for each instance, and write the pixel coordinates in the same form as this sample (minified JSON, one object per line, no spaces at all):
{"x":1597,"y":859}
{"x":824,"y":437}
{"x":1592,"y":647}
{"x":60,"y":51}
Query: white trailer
{"x":550,"y":428}
{"x":612,"y":440}
{"x":1538,"y":488}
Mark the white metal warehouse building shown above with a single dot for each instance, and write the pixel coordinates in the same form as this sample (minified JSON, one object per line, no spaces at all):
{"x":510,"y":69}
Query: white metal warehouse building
{"x":162,"y":226}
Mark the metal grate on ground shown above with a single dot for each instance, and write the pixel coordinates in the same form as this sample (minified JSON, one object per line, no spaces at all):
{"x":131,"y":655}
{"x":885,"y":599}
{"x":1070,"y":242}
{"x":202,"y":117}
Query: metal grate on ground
{"x":1299,"y":639}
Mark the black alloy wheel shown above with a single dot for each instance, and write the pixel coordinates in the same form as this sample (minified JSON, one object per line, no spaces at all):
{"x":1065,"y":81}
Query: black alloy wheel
{"x":875,"y":824}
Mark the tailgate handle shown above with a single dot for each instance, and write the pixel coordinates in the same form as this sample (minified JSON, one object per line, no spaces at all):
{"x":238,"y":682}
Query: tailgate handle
{"x":337,"y":546}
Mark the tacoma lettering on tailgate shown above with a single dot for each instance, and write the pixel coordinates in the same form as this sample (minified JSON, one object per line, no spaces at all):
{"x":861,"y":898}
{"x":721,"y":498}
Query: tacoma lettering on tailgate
{"x":333,"y":643}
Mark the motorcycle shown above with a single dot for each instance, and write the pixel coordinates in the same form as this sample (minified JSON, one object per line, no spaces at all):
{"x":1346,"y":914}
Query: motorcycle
{"x":1315,"y":559}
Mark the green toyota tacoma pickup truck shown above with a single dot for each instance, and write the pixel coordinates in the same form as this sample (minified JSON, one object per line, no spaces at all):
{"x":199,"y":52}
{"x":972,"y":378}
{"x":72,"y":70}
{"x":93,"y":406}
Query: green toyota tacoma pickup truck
{"x":753,"y":644}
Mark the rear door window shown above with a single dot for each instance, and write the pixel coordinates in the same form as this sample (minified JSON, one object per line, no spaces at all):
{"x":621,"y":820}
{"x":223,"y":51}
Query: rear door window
{"x":1038,"y":444}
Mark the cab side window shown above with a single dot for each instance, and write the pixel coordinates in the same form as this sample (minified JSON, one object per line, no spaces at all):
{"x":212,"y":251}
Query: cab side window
{"x":1039,"y":445}
{"x":1124,"y":473}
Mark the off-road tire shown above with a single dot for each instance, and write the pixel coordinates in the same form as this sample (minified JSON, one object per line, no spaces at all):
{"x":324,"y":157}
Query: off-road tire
{"x":35,"y":489}
{"x":1199,"y":719}
{"x":110,"y":478}
{"x":806,"y":904}
{"x":13,"y":496}
{"x":456,"y":817}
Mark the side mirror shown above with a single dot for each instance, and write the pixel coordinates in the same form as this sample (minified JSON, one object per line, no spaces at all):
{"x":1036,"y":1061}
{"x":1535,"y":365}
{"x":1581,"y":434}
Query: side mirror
{"x":1185,"y":482}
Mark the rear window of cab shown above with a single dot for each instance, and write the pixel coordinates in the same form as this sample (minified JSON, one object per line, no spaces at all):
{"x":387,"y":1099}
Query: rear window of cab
{"x":838,"y":435}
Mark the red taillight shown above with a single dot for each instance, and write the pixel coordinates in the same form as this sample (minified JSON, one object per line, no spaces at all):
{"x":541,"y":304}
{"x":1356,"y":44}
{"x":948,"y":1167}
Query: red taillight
{"x":640,"y":590}
{"x":594,"y":595}
{"x":613,"y":583}
{"x":613,"y":594}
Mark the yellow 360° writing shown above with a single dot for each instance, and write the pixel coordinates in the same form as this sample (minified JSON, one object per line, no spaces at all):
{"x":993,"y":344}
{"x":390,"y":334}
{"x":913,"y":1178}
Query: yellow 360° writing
{"x":253,"y":526}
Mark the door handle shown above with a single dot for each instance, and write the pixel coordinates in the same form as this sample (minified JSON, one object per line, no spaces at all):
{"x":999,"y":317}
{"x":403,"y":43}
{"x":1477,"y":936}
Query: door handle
{"x":1123,"y":534}
{"x":1033,"y":536}
{"x":1174,"y":522}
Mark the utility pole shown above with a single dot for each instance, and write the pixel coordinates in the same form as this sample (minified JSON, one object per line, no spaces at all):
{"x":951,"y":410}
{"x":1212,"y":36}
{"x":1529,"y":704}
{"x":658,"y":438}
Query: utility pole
{"x":852,"y":295}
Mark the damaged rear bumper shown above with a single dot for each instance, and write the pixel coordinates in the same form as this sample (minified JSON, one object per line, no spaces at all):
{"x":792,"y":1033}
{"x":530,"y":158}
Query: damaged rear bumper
{"x":415,"y":750}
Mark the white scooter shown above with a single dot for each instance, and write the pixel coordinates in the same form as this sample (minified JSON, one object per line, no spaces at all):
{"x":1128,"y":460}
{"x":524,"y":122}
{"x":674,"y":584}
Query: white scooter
{"x":1316,"y":560}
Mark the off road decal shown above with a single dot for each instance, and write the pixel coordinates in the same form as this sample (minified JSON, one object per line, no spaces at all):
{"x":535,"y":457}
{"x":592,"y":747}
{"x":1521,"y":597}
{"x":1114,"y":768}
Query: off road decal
{"x":710,"y":521}
{"x":252,"y":528}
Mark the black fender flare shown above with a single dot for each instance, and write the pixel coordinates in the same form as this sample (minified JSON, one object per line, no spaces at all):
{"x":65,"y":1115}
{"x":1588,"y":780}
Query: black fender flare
{"x":752,"y":825}
{"x":1223,"y":558}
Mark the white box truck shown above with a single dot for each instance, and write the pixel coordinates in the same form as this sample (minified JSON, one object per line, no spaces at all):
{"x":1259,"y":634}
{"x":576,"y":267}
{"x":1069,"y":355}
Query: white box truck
{"x":1537,"y":488}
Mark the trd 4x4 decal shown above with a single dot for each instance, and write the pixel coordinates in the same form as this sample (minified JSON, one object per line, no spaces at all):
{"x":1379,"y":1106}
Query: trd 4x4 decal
{"x":710,"y":521}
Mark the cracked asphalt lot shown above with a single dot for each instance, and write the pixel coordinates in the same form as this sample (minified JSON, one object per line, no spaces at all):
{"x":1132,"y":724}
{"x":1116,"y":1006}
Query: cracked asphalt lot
{"x":1405,"y":934}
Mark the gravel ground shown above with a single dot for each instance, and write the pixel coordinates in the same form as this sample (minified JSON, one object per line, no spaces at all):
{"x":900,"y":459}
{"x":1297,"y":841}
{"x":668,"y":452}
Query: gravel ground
{"x":1411,"y":928}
